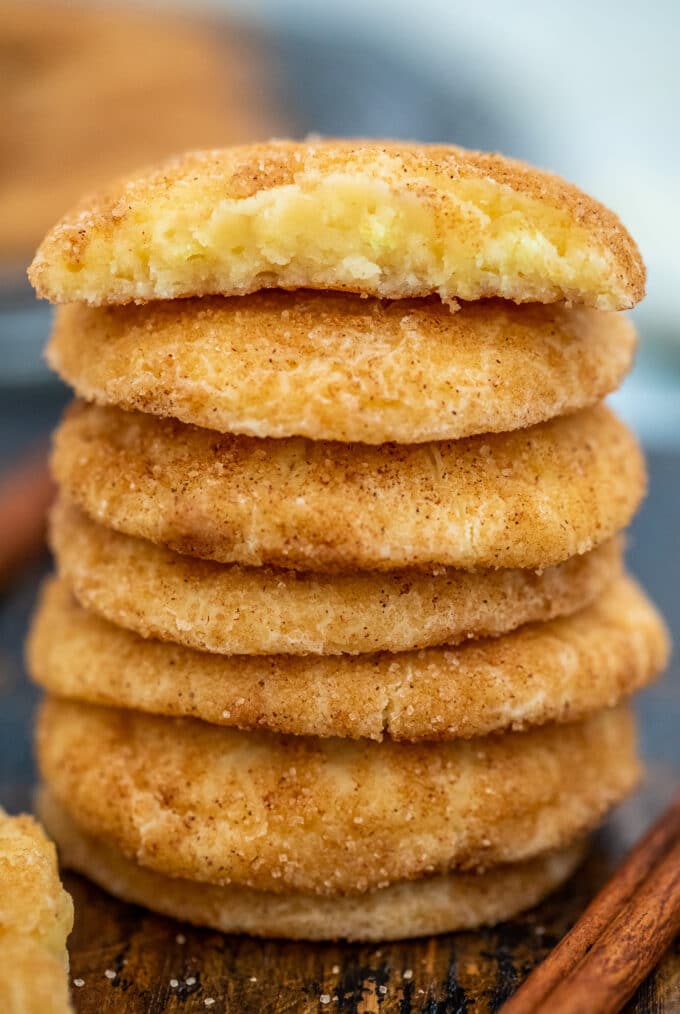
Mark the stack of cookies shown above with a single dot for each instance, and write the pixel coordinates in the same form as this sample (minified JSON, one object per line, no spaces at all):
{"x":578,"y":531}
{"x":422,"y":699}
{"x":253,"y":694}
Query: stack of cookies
{"x":341,"y":644}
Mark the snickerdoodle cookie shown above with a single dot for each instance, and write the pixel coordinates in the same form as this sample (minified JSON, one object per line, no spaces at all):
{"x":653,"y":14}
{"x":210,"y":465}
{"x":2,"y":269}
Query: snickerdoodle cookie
{"x":388,"y":219}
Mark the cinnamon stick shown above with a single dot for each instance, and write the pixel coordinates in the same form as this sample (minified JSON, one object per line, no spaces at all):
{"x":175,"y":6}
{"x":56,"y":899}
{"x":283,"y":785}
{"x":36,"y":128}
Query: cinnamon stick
{"x":26,"y":492}
{"x":629,"y":948}
{"x":538,"y":992}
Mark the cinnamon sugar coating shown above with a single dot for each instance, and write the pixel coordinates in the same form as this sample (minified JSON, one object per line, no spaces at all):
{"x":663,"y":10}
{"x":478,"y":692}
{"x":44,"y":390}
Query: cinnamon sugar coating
{"x":387,"y":219}
{"x":441,"y":904}
{"x":332,"y":366}
{"x":328,"y":816}
{"x":528,"y":499}
{"x":556,"y":671}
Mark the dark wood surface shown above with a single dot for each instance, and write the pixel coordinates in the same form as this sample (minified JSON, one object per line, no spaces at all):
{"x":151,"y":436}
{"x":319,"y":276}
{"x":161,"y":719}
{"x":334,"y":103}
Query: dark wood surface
{"x":464,"y":972}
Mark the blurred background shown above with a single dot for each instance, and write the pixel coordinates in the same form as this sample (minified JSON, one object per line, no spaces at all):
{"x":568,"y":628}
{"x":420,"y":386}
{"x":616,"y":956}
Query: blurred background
{"x":92,"y":90}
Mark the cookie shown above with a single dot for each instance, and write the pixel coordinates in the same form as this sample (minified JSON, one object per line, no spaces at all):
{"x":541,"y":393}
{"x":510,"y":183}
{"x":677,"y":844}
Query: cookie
{"x":36,"y":917}
{"x":526,"y":499}
{"x":388,"y":219}
{"x":332,"y":366}
{"x":328,"y":816}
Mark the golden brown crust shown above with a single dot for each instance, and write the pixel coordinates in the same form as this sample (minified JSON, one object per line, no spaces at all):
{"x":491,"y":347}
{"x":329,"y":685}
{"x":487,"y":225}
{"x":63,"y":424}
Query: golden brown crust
{"x":219,"y":607}
{"x":388,"y":219}
{"x":548,"y":672}
{"x":433,"y":905}
{"x":526,"y":499}
{"x":284,"y":813}
{"x":332,"y":366}
{"x":36,"y":917}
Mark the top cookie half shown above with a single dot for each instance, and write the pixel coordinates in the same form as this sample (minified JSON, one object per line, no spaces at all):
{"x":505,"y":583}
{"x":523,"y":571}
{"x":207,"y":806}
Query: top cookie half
{"x":385,"y":219}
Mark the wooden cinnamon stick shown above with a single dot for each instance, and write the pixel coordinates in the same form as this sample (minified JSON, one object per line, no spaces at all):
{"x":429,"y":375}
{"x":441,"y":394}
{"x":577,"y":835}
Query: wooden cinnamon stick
{"x":620,"y":936}
{"x":26,"y":492}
